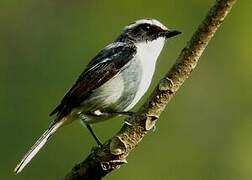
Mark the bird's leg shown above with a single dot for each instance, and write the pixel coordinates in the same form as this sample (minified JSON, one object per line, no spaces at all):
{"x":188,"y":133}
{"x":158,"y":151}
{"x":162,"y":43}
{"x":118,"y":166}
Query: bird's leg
{"x":130,"y":113}
{"x":124,"y":113}
{"x":111,"y":113}
{"x":93,"y":134}
{"x":84,"y":119}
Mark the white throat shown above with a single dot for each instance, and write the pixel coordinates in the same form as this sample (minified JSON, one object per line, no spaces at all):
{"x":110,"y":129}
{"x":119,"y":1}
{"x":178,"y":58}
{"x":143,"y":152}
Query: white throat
{"x":149,"y":51}
{"x":147,"y":54}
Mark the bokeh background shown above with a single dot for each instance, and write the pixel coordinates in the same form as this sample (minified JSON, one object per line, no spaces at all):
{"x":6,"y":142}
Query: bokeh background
{"x":206,"y":131}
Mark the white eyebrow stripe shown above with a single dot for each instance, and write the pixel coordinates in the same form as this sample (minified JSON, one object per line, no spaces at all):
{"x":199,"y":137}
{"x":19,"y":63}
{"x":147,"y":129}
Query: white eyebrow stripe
{"x":146,"y":21}
{"x":156,"y":22}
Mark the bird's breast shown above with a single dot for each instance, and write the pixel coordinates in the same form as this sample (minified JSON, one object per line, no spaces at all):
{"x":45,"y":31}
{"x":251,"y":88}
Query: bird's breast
{"x":146,"y":57}
{"x":124,"y":90}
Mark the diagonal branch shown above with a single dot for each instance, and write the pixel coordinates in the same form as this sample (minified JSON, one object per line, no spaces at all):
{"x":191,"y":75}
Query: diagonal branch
{"x":103,"y":160}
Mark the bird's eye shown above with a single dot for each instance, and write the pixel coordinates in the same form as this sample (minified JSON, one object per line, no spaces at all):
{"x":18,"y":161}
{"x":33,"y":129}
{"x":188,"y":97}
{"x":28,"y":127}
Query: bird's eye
{"x":146,"y":27}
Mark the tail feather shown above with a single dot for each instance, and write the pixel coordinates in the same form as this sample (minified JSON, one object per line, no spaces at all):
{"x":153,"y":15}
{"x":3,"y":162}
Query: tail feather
{"x":37,"y":146}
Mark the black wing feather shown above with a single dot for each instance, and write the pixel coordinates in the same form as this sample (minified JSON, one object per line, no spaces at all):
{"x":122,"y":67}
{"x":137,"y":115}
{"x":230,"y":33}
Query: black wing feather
{"x":110,"y":61}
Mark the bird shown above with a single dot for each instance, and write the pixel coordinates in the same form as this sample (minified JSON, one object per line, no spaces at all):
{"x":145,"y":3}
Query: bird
{"x":112,"y":83}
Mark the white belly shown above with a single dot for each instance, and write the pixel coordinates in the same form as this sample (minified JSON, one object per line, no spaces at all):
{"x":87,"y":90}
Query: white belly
{"x":147,"y":54}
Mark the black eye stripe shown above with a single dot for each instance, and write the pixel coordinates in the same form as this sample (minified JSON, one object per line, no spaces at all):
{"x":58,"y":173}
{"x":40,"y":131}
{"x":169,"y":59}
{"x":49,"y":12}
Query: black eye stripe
{"x":145,"y":27}
{"x":144,"y":32}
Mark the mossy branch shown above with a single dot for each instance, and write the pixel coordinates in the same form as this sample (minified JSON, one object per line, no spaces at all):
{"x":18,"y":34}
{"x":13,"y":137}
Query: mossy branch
{"x":103,"y":160}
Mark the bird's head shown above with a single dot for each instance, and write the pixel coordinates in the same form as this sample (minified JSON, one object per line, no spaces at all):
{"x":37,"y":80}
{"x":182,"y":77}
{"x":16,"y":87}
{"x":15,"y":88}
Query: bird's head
{"x":146,"y":30}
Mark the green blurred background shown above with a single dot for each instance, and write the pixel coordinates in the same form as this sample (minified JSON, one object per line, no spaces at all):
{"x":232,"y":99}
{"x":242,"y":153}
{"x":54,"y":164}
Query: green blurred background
{"x":206,"y":131}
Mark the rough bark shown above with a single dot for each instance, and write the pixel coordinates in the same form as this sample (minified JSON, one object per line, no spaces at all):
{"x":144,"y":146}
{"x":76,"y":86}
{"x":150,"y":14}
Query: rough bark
{"x":103,"y":160}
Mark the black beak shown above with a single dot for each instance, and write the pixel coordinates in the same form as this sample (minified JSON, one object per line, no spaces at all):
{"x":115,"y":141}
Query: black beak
{"x":171,"y":33}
